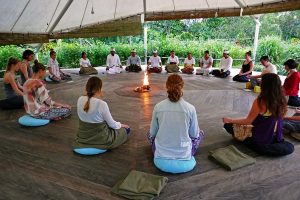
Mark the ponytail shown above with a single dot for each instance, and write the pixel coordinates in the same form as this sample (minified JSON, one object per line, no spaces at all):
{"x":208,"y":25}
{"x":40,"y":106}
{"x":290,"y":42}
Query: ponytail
{"x":87,"y":104}
{"x":93,"y":85}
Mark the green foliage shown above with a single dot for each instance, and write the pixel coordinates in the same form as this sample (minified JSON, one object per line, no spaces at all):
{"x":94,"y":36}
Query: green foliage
{"x":258,"y":67}
{"x":280,"y":68}
{"x":273,"y":47}
{"x":7,"y":52}
{"x":68,"y":54}
{"x":278,"y":50}
{"x":293,"y":50}
{"x":284,"y":24}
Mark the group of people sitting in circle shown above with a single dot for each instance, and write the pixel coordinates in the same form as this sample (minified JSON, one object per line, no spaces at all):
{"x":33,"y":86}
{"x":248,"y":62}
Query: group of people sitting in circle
{"x":291,"y":84}
{"x":154,"y":64}
{"x":30,"y":92}
{"x":98,"y":129}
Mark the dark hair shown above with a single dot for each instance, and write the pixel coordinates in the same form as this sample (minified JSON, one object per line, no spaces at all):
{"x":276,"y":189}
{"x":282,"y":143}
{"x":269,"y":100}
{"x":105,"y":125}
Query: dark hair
{"x":265,"y":58}
{"x":249,"y":53}
{"x":93,"y":85}
{"x":52,"y":52}
{"x":11,"y":61}
{"x":174,"y":86}
{"x":291,"y":64}
{"x":172,"y":51}
{"x":82,"y":54}
{"x":38,"y":66}
{"x":272,"y":95}
{"x":27,"y":53}
{"x":190,"y":53}
{"x":206,"y":51}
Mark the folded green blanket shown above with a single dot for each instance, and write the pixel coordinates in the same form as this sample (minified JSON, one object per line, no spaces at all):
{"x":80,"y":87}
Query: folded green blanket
{"x":231,"y":158}
{"x":140,"y":185}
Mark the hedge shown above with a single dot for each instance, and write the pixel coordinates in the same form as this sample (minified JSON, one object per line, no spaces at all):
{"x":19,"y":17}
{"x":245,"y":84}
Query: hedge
{"x":68,"y":54}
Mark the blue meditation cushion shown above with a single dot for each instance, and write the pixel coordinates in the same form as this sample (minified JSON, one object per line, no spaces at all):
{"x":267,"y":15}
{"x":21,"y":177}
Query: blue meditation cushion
{"x":48,"y":79}
{"x":89,"y":151}
{"x":175,"y":166}
{"x":27,"y":120}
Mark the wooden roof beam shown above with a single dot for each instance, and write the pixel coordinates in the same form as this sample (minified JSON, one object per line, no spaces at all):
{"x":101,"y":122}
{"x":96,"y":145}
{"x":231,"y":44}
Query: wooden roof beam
{"x":282,"y":6}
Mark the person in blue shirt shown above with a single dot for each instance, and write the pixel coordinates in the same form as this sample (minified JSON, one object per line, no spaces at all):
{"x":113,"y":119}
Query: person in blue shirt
{"x":174,"y":131}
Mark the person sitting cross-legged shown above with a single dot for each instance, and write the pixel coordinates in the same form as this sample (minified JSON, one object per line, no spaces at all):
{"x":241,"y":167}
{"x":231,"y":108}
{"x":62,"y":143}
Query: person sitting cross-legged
{"x":97,"y":128}
{"x":225,"y":66}
{"x":291,"y":125}
{"x":205,"y":64}
{"x":37,"y":101}
{"x":268,"y":68}
{"x":173,"y":63}
{"x":55,"y":73}
{"x":154,"y":63}
{"x":12,"y":88}
{"x":174,"y":130}
{"x":189,"y":64}
{"x":133,"y":62}
{"x":85,"y":65}
{"x":246,"y":70}
{"x":266,"y":116}
{"x":25,"y":68}
{"x":113,"y":62}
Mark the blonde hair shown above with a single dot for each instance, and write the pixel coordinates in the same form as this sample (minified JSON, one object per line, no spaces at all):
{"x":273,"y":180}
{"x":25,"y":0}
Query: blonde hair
{"x":174,"y":86}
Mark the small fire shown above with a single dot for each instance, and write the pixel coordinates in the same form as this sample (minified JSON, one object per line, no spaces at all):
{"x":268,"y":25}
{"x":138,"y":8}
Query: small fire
{"x":145,"y":87}
{"x":146,"y":81}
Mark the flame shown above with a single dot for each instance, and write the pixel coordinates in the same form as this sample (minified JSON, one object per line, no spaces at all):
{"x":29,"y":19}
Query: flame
{"x":146,"y":81}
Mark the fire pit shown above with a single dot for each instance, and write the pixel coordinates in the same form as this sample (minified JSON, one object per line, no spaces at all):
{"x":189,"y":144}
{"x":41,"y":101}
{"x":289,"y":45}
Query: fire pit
{"x":145,"y":87}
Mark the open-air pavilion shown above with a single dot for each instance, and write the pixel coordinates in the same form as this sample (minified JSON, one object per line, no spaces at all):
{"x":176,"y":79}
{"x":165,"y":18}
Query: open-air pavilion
{"x":38,"y":163}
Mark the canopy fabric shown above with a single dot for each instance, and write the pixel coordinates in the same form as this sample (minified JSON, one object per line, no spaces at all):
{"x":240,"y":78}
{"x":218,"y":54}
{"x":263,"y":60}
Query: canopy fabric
{"x":31,"y":18}
{"x":126,"y":26}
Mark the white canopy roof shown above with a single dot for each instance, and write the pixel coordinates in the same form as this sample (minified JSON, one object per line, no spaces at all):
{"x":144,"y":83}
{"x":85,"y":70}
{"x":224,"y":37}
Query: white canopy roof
{"x":57,"y":16}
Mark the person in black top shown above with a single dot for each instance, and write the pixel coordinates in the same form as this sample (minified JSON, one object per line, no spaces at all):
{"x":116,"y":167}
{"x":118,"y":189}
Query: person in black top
{"x":246,"y":69}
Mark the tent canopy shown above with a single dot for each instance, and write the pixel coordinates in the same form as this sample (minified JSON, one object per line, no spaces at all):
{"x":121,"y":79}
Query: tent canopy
{"x":28,"y":21}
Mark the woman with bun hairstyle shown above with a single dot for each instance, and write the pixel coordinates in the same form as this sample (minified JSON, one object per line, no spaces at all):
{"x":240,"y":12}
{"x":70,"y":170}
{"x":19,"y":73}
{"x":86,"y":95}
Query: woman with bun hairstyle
{"x":246,"y":69}
{"x":13,"y":90}
{"x":97,"y":128}
{"x":37,"y":101}
{"x":174,"y":131}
